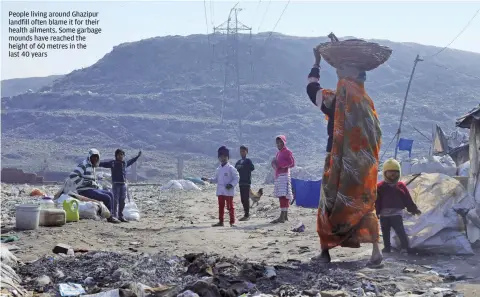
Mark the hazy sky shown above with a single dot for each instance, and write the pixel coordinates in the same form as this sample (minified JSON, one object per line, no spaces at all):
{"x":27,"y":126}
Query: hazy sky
{"x":433,"y":23}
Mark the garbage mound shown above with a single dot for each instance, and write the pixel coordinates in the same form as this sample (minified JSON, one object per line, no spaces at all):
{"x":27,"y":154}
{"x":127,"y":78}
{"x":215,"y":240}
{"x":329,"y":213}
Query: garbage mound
{"x":109,"y":274}
{"x":439,"y":229}
{"x":433,"y":164}
{"x":179,"y":185}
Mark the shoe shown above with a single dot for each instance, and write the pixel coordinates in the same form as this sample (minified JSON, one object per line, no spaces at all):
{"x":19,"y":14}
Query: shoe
{"x":245,"y":218}
{"x":219,"y":224}
{"x":123,"y":220}
{"x":113,"y":220}
{"x":386,"y":250}
{"x":233,"y":225}
{"x":281,"y":219}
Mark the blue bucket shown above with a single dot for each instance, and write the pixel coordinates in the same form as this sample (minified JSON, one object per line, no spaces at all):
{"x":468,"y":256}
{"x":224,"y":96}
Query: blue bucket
{"x":307,"y":193}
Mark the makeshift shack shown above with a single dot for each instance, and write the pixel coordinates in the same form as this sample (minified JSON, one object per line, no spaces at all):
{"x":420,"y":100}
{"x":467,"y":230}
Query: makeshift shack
{"x":472,"y":121}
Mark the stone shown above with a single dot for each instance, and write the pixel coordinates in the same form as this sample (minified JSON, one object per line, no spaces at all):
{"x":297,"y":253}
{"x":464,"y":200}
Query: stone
{"x":119,"y":273}
{"x":61,"y":248}
{"x":89,"y":281}
{"x":310,"y":292}
{"x":43,"y":281}
{"x":333,"y":294}
{"x":59,"y":274}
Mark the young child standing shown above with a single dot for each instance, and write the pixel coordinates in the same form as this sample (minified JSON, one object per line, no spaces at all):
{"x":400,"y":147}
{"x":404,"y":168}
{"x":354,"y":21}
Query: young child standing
{"x":226,"y":177}
{"x":283,"y":183}
{"x":119,"y":179}
{"x":245,"y":167}
{"x":392,"y":197}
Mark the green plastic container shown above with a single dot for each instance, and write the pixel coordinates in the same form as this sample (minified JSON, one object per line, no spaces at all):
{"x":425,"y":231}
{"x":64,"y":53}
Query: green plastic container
{"x":71,"y":210}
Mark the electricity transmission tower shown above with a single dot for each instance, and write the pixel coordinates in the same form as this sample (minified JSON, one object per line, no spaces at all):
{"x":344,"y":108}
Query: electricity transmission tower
{"x":231,"y":28}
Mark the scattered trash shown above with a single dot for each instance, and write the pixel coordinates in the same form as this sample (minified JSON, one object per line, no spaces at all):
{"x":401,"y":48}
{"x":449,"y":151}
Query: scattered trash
{"x":188,"y":293}
{"x":111,"y":293}
{"x":270,"y":272}
{"x":8,"y":238}
{"x":71,"y":289}
{"x":37,"y":192}
{"x":300,"y":228}
{"x":409,"y":270}
{"x":61,"y":249}
{"x":89,"y":281}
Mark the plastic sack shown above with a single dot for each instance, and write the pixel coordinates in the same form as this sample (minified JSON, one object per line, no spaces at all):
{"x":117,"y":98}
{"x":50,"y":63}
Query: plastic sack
{"x":434,"y":164}
{"x":131,"y":212}
{"x":87,"y":210}
{"x":180,"y":185}
{"x":439,"y":229}
{"x":464,"y":169}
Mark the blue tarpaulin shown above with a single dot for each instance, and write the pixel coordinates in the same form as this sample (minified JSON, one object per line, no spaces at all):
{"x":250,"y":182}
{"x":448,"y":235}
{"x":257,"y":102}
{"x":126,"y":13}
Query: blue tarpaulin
{"x":405,"y":145}
{"x":307,"y":193}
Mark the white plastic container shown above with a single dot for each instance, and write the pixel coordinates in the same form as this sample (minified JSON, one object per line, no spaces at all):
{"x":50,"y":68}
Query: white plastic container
{"x":47,"y":203}
{"x":27,"y":216}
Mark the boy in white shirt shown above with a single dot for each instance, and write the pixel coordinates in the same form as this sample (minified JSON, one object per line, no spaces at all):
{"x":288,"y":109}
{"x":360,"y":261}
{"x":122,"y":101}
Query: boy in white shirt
{"x":226,"y":177}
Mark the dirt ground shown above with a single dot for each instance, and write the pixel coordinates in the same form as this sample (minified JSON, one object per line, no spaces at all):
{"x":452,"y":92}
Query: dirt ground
{"x":180,"y":222}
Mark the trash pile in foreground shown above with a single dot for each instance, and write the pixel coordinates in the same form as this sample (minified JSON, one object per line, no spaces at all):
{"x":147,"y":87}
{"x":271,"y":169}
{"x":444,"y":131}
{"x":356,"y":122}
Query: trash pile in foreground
{"x":109,"y":274}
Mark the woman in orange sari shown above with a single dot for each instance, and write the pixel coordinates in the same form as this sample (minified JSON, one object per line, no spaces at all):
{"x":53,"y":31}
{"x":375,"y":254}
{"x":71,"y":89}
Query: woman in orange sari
{"x":346,"y":215}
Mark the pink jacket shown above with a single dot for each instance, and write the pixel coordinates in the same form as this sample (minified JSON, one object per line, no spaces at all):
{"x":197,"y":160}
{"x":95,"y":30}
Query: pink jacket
{"x":284,"y":159}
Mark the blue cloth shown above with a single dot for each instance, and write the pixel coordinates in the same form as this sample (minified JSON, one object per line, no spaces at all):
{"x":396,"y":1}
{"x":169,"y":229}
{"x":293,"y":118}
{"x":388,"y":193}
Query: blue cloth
{"x":306,"y":193}
{"x":100,"y":195}
{"x":405,"y":145}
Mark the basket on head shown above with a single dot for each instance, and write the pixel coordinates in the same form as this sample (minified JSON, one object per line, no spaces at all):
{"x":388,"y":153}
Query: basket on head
{"x":357,"y":53}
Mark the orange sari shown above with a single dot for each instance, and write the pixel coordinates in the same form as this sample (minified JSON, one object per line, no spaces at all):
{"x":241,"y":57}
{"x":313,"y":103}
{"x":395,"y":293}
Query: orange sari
{"x":346,"y":214}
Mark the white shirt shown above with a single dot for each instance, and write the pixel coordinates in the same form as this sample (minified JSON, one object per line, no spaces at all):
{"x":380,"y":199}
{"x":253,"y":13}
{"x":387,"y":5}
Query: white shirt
{"x":225,"y":175}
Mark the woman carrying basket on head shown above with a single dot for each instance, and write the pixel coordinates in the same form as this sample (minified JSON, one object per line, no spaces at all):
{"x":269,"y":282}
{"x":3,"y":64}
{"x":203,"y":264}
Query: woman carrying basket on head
{"x":346,"y":215}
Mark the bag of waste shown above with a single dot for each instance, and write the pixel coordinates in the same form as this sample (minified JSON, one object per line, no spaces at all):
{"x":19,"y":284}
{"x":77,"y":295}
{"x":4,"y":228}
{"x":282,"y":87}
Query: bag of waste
{"x":87,"y":210}
{"x":439,"y":229}
{"x":432,"y":164}
{"x":131,"y":212}
{"x":464,"y":169}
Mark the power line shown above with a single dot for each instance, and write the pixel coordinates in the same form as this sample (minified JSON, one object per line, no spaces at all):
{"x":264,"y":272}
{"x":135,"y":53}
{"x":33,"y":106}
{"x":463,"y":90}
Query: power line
{"x":456,"y":71}
{"x":206,"y":20}
{"x":271,"y":32}
{"x":458,"y":35}
{"x":264,"y":14}
{"x":255,"y":13}
{"x":212,"y":14}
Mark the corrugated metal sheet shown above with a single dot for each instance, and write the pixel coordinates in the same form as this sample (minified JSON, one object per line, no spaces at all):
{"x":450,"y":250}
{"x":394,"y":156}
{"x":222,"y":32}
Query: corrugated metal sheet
{"x":466,"y":120}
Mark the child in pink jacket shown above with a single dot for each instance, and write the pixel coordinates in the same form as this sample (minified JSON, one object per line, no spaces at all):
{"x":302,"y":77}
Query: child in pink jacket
{"x":283,"y":184}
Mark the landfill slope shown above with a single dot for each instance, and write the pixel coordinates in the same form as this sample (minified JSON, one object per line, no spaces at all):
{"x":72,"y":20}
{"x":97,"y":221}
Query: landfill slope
{"x":164,"y":95}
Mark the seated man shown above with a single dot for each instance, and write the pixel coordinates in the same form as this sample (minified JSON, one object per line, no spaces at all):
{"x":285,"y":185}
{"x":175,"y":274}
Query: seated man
{"x":85,"y":180}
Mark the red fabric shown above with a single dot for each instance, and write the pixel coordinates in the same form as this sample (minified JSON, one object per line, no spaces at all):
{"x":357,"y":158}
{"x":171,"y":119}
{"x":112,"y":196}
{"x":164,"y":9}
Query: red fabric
{"x":284,"y":202}
{"x":228,"y":201}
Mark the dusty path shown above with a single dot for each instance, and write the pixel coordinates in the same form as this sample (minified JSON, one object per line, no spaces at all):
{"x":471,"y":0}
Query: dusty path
{"x":180,"y":222}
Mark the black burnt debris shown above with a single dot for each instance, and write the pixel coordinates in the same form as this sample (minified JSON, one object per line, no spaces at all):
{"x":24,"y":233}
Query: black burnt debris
{"x":210,"y":275}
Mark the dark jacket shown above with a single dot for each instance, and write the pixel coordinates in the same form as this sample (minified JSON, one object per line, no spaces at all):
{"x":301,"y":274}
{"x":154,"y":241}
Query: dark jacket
{"x":312,"y":89}
{"x":394,"y":196}
{"x":245,"y":168}
{"x":118,"y":169}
